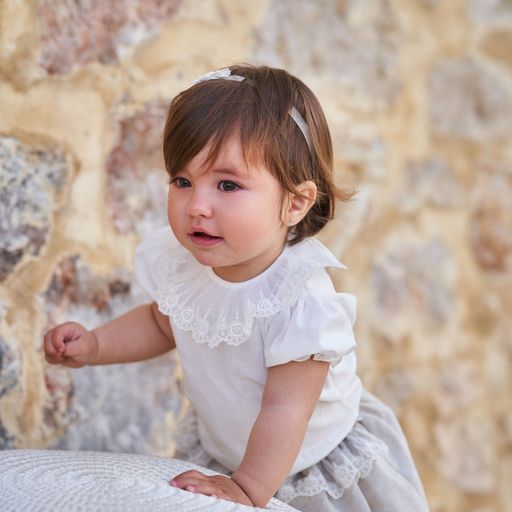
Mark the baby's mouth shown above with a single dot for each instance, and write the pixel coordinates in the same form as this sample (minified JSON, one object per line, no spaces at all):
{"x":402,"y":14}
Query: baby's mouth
{"x":205,"y":236}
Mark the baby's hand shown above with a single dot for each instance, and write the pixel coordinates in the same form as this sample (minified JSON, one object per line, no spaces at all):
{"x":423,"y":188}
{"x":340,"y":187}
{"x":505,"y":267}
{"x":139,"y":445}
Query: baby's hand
{"x":217,"y":486}
{"x":70,"y":344}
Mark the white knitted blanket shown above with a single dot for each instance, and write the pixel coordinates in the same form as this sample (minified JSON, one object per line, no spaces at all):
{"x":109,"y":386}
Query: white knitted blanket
{"x":68,"y":481}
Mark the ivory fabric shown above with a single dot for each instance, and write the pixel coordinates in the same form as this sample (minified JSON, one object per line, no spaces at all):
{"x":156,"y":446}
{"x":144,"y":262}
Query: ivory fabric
{"x":67,"y":481}
{"x":228,"y":334}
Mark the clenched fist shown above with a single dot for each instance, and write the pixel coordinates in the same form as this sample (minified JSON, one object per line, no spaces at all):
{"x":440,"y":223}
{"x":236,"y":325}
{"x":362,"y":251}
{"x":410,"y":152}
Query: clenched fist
{"x":71,"y":345}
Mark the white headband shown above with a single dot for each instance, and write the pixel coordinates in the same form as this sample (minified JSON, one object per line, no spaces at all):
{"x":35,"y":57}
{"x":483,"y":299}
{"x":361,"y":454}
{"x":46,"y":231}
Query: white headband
{"x":225,"y":74}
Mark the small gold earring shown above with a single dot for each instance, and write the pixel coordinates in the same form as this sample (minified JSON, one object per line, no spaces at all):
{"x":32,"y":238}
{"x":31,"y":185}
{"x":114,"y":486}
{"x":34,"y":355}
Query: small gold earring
{"x":291,"y":222}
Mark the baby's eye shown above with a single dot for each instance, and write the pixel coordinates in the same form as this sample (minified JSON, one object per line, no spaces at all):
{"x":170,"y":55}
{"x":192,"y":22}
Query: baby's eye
{"x":180,"y":182}
{"x":228,"y":186}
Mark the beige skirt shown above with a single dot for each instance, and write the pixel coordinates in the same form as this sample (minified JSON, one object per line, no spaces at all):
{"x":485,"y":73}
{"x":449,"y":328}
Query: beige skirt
{"x":371,"y":470}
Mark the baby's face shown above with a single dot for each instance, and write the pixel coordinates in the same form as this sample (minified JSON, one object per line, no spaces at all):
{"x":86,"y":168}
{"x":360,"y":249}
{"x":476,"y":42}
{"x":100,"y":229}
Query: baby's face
{"x":227,"y":215}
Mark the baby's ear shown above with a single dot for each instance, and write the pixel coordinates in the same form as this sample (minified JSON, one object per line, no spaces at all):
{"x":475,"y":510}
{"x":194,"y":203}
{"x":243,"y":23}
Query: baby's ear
{"x":298,"y":204}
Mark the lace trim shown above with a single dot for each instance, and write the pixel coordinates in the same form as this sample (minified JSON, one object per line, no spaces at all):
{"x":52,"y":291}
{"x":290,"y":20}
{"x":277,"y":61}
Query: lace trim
{"x":350,"y":461}
{"x":185,"y":290}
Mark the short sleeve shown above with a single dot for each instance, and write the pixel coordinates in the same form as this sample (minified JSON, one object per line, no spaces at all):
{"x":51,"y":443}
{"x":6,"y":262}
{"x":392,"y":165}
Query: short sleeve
{"x":315,"y":326}
{"x":148,"y":259}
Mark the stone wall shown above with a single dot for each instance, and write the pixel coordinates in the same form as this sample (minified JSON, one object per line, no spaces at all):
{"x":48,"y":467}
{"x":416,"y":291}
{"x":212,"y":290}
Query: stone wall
{"x":419,"y":99}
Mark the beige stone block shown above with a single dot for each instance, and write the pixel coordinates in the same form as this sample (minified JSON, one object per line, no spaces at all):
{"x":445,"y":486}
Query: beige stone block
{"x":412,"y":284}
{"x":492,"y":12}
{"x":355,"y":45}
{"x":498,"y":45}
{"x":469,"y":99}
{"x":505,"y":490}
{"x":19,"y":34}
{"x":204,"y":36}
{"x":461,"y":384}
{"x":467,"y":453}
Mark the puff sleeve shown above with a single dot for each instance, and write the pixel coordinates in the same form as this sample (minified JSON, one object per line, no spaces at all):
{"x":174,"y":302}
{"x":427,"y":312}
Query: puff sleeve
{"x":318,"y":326}
{"x":148,"y":259}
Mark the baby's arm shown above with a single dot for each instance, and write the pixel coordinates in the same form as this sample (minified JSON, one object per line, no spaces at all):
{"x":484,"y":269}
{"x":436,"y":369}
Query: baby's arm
{"x":291,"y":393}
{"x":139,"y":334}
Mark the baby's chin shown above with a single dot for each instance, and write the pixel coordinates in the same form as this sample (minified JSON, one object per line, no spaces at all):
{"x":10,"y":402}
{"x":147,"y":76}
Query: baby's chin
{"x":204,"y":256}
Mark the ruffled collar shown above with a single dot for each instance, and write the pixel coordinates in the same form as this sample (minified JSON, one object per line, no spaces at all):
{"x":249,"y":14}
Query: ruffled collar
{"x":217,"y":311}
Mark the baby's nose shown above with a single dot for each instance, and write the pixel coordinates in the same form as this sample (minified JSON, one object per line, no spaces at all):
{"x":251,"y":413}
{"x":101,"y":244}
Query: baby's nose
{"x":200,"y":205}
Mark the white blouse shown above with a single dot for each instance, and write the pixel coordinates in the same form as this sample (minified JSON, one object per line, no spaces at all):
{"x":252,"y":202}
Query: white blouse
{"x":227,"y":335}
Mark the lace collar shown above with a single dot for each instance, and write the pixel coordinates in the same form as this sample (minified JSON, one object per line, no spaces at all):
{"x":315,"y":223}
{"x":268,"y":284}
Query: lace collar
{"x":217,"y":311}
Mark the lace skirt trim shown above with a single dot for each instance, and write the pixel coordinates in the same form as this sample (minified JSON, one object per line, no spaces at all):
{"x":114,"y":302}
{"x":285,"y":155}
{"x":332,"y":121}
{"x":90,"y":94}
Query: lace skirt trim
{"x":350,"y":461}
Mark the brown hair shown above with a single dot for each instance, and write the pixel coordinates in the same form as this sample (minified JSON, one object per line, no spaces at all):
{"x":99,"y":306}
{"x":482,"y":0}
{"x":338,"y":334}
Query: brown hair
{"x":258,"y":108}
